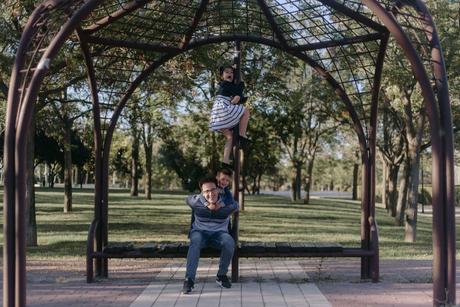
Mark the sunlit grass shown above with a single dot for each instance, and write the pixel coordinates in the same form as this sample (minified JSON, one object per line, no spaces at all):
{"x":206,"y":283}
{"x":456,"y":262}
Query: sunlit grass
{"x":166,"y":218}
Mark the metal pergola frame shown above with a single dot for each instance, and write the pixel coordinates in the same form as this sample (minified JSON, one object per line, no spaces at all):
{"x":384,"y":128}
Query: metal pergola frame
{"x":326,"y":34}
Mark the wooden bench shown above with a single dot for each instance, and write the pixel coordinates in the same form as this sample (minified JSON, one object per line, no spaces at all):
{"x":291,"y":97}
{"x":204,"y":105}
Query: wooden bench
{"x":244,"y":250}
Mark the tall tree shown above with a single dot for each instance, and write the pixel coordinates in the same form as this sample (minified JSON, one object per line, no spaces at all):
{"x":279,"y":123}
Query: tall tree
{"x":66,"y":112}
{"x":135,"y":134}
{"x":391,"y":149}
{"x":302,"y":117}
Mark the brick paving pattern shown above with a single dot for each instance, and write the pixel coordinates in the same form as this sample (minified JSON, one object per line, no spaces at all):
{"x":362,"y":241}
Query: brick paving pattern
{"x":275,"y":282}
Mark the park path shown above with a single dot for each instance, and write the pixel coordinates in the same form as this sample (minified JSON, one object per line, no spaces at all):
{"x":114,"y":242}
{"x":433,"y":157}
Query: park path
{"x":264,"y":282}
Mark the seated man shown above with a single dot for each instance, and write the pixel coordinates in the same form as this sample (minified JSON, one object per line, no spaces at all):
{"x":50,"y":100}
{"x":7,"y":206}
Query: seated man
{"x":210,"y":228}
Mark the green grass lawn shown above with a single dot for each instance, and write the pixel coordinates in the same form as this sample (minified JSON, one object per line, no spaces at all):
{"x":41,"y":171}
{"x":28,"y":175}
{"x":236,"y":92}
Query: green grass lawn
{"x":167,"y":218}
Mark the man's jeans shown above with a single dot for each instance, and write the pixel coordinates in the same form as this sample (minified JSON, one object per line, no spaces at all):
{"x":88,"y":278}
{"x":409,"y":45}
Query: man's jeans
{"x":200,"y":239}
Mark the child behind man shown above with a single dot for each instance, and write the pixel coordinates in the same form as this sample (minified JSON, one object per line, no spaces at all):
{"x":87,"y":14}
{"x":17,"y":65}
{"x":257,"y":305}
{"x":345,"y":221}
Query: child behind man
{"x":224,"y":176}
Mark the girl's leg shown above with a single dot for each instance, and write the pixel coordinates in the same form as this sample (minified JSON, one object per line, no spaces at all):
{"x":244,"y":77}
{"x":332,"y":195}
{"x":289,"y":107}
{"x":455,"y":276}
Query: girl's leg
{"x":244,"y":122}
{"x":228,"y":145}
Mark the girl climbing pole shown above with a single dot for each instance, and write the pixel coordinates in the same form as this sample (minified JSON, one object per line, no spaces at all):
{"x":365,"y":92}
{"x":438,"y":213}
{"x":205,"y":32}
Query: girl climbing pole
{"x":227,"y":112}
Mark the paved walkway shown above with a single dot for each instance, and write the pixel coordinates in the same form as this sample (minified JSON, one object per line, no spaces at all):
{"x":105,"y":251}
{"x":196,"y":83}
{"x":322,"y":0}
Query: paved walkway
{"x":264,"y":282}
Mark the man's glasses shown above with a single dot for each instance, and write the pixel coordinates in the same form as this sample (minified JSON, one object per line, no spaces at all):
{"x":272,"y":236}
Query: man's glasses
{"x":209,"y":191}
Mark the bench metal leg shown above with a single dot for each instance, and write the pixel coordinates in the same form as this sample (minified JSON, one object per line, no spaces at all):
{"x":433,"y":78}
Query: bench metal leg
{"x":89,"y":269}
{"x":235,"y":267}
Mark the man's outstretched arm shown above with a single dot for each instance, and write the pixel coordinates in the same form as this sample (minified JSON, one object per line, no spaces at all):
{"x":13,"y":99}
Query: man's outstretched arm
{"x":194,"y":201}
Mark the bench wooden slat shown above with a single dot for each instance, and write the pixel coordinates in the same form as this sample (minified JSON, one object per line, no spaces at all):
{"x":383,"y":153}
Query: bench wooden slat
{"x":148,"y":248}
{"x":245,"y":249}
{"x":183,"y":248}
{"x":169,"y":248}
{"x":254,"y":246}
{"x":328,"y":247}
{"x":119,"y":247}
{"x":308,"y":247}
{"x":270,"y":247}
{"x":283,"y":247}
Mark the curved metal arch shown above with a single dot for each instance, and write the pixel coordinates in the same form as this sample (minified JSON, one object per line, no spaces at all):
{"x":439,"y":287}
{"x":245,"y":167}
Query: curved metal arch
{"x":97,"y":140}
{"x":9,"y":212}
{"x":17,"y":130}
{"x":442,"y":146}
{"x":440,"y":75}
{"x":442,"y":151}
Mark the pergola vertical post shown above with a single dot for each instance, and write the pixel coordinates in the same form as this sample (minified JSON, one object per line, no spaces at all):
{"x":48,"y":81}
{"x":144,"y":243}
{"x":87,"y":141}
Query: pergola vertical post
{"x":104,"y":233}
{"x":448,"y":203}
{"x":365,"y":210}
{"x":236,"y":169}
{"x":97,"y":134}
{"x":374,"y":260}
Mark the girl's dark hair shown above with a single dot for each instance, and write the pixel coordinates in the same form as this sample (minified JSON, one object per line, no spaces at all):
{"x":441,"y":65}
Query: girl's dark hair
{"x":224,"y":67}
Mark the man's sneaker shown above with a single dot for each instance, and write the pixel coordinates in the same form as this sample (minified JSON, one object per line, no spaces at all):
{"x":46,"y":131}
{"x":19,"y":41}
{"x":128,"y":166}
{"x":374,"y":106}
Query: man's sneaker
{"x":223,"y":281}
{"x":188,"y":286}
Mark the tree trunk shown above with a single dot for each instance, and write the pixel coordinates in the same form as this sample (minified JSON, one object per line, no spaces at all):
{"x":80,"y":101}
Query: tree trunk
{"x":392,"y":192}
{"x":135,"y":166}
{"x":402,"y":197}
{"x":293,"y":182}
{"x":51,"y":176}
{"x":31,"y":222}
{"x":74,"y":175}
{"x":306,"y":199}
{"x":412,"y":199}
{"x":414,"y":144}
{"x":254,"y":185}
{"x":80,"y":176}
{"x":298,"y":179}
{"x":148,"y":168}
{"x":293,"y":190}
{"x":355,"y":181}
{"x":67,"y":170}
{"x":46,"y":174}
{"x":385,"y":185}
{"x":259,"y":178}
